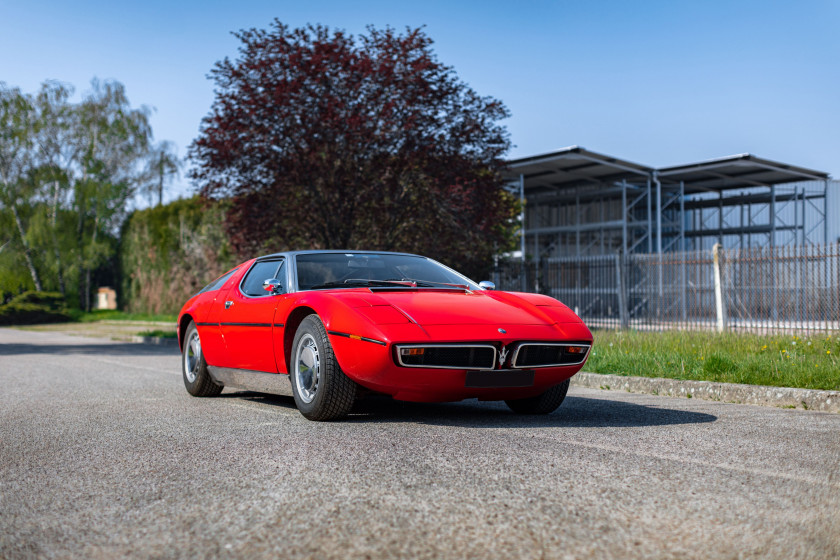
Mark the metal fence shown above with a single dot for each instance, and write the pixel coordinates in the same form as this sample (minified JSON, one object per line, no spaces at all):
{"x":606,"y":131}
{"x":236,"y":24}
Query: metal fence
{"x":765,"y":289}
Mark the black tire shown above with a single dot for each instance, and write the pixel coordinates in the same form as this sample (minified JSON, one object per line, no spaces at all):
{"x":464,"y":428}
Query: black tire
{"x":541,"y":404}
{"x":321,"y":390}
{"x":197,"y":379}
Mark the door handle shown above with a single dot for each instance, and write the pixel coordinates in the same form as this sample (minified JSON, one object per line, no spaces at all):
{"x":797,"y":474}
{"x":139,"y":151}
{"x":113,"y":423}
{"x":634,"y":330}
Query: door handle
{"x":228,"y":304}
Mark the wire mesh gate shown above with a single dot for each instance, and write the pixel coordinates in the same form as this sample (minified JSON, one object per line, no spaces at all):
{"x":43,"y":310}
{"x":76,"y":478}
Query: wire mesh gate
{"x":765,"y":289}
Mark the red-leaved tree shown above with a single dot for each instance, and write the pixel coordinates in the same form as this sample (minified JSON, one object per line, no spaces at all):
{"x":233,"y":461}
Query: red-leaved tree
{"x":325,"y":140}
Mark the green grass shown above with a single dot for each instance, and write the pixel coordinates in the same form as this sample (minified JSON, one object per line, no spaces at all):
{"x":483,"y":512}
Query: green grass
{"x":159,"y":333}
{"x":116,"y":315}
{"x":809,"y":362}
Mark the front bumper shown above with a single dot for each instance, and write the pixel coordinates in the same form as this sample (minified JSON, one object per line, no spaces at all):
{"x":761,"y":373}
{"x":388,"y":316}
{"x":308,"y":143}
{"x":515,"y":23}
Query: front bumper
{"x":374,"y":366}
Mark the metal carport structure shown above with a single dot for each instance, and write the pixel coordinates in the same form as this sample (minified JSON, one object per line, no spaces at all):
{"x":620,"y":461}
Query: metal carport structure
{"x":745,"y":201}
{"x":578,"y":202}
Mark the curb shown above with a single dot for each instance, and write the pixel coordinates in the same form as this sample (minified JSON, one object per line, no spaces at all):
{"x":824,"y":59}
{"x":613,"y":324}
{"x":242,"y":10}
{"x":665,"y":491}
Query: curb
{"x":783,"y":397}
{"x":158,"y":340}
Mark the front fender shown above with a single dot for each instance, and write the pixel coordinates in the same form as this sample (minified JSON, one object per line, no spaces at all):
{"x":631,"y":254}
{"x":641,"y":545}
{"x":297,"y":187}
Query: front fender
{"x":360,"y":333}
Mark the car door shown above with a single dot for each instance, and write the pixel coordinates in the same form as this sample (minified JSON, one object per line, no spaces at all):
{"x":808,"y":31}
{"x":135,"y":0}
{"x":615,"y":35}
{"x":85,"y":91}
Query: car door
{"x":246,"y":319}
{"x":207,"y":314}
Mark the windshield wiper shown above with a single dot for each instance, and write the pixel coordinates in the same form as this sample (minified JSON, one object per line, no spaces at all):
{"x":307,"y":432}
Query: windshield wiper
{"x":430,"y":284}
{"x":393,"y":282}
{"x":359,"y":282}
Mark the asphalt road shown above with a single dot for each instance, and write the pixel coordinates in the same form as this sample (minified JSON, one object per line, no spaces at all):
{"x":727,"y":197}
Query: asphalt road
{"x":103,"y":454}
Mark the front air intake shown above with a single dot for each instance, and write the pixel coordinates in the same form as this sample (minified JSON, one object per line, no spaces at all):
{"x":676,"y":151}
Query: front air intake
{"x":447,"y":356}
{"x":542,"y":354}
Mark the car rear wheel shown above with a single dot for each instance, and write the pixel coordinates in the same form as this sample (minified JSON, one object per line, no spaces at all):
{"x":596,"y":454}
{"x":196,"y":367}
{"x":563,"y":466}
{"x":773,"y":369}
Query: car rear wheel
{"x":541,"y":404}
{"x":320,"y":388}
{"x":194,"y":367}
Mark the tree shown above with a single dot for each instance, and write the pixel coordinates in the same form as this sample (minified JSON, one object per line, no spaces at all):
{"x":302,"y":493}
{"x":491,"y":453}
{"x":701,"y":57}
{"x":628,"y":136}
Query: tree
{"x":57,"y":155}
{"x":112,"y":141}
{"x":163,"y":165}
{"x":17,"y":153}
{"x":324,"y":140}
{"x":68,"y":172}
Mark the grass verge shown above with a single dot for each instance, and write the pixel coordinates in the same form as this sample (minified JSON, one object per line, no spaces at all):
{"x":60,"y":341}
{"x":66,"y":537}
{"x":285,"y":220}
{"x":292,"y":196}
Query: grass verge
{"x":779,"y":360}
{"x":159,"y":333}
{"x":117,"y":315}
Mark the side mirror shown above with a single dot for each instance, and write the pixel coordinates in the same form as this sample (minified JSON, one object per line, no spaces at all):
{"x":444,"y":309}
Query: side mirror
{"x":486,"y":285}
{"x":273,"y":286}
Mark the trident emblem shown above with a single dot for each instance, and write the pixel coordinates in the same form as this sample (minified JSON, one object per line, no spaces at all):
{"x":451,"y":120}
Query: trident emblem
{"x":502,"y":357}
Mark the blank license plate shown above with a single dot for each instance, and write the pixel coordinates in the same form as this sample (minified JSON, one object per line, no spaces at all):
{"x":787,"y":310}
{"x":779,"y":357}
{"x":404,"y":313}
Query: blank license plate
{"x":500,"y":378}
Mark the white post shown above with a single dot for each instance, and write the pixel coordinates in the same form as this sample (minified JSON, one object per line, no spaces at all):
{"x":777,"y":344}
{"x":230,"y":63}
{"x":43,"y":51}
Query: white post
{"x":619,"y":286}
{"x":720,"y":308}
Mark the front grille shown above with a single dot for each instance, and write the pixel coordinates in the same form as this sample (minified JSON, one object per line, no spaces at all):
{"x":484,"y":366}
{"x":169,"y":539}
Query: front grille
{"x":549,"y":354}
{"x":449,"y":356}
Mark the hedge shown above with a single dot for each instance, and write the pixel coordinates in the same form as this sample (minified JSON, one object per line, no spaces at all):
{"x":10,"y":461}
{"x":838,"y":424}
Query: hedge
{"x":30,"y":308}
{"x":170,"y":252}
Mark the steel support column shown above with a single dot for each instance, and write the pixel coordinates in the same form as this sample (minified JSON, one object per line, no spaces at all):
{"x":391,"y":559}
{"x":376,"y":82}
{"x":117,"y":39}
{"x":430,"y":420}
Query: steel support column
{"x":522,"y":230}
{"x":577,"y":221}
{"x":658,"y":213}
{"x":683,"y":274}
{"x":624,"y":214}
{"x":774,"y":296}
{"x":536,"y":262}
{"x":825,"y":211}
{"x":660,"y":279}
{"x":649,"y":217}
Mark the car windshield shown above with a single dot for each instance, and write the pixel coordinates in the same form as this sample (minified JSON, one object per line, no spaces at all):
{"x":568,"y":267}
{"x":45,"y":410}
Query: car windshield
{"x":318,"y":271}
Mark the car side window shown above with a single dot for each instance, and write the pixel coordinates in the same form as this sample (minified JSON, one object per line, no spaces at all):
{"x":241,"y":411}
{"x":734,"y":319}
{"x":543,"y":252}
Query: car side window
{"x":252,"y":285}
{"x":217,"y":283}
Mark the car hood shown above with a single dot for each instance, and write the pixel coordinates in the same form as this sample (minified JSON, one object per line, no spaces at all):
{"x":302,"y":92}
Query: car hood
{"x":443,"y":307}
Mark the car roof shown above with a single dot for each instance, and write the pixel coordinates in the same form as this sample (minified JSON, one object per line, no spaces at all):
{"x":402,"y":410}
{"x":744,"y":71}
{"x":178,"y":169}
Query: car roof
{"x":333,"y":251}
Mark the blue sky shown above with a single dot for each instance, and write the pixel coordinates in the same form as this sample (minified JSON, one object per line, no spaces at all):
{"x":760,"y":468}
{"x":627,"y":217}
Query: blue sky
{"x":659,"y":82}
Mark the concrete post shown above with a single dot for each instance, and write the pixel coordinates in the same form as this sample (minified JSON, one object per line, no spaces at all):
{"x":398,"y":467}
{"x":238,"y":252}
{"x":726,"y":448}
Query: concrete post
{"x":720,"y":307}
{"x":619,"y":286}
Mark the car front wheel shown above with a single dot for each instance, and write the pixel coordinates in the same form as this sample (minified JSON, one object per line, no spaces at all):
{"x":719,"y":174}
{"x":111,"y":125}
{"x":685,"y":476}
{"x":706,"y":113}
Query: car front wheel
{"x":197,"y":379}
{"x":321,"y":390}
{"x":541,"y":404}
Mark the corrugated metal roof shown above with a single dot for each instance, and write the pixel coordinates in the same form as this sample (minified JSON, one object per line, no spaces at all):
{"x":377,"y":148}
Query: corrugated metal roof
{"x":735,"y":172}
{"x":576,"y":166}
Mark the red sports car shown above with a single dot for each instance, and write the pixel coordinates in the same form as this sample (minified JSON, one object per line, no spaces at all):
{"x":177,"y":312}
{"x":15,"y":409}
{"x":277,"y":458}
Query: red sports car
{"x":324,"y":326}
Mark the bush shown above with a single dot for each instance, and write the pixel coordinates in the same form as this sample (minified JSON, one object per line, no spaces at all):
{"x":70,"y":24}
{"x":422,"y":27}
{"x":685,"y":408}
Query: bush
{"x":30,"y":308}
{"x":169,"y":252}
